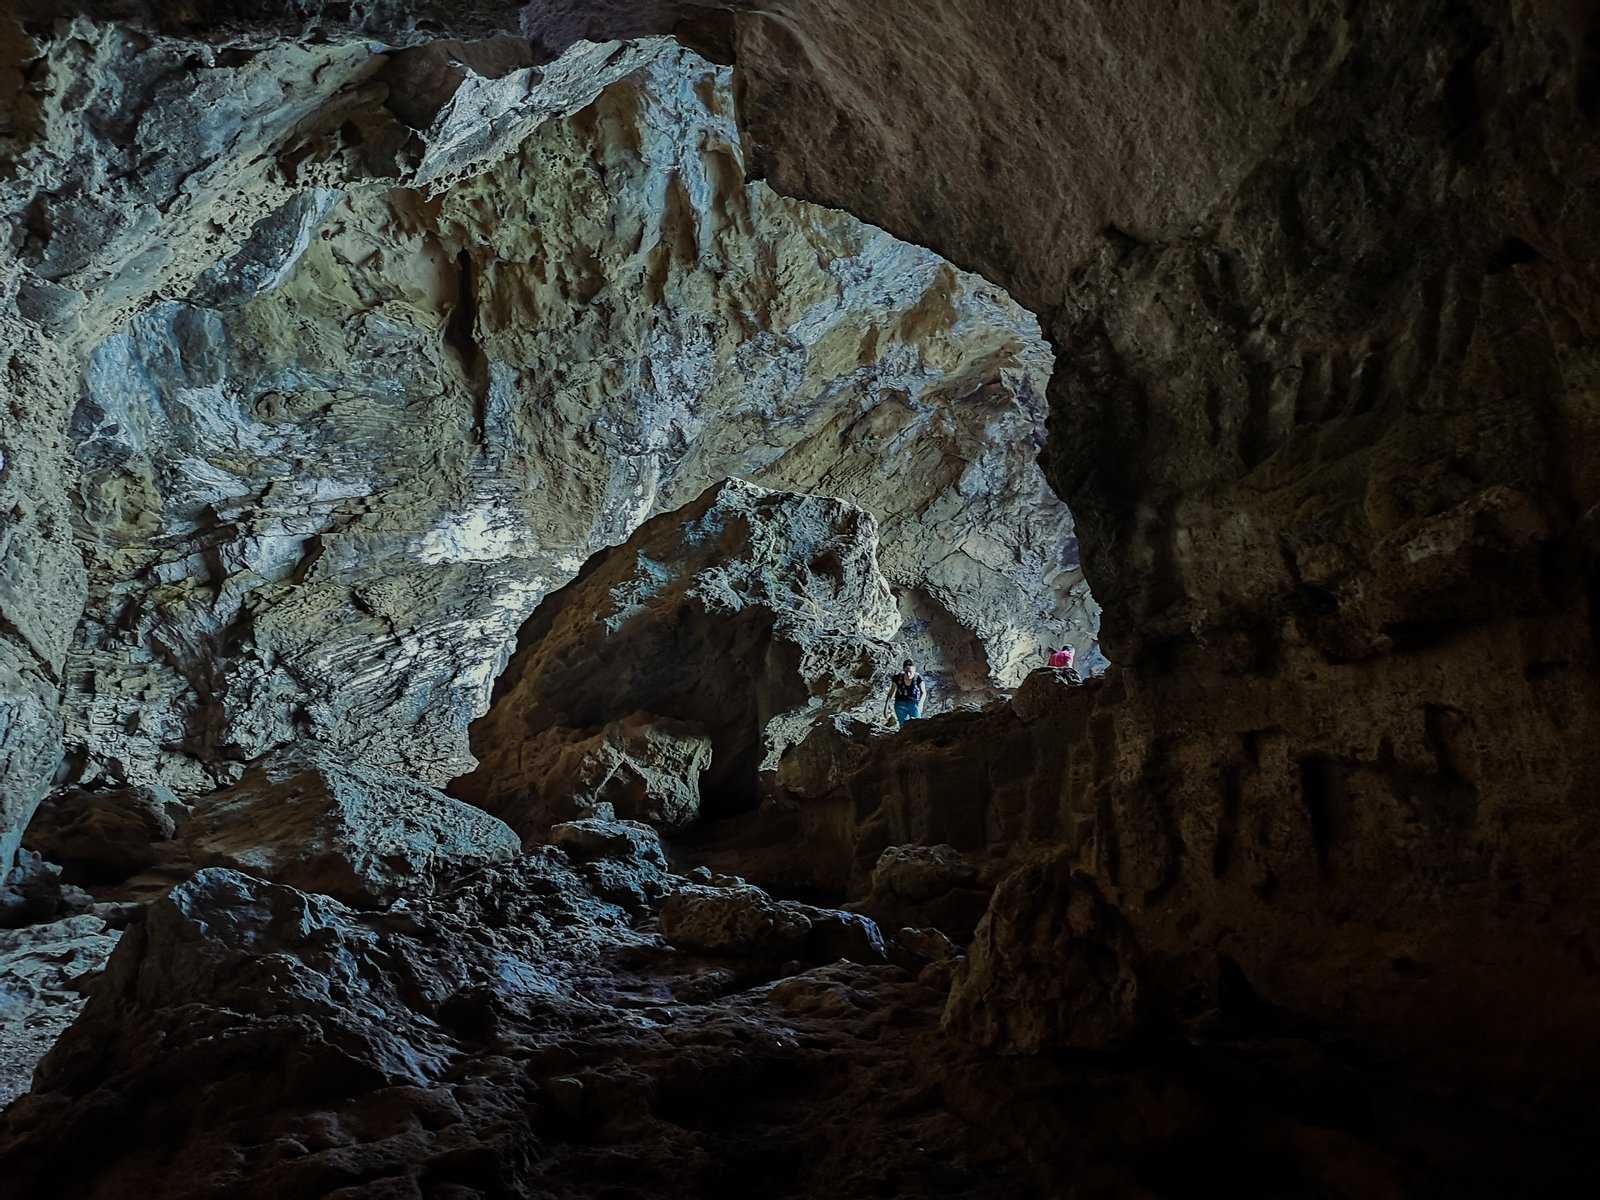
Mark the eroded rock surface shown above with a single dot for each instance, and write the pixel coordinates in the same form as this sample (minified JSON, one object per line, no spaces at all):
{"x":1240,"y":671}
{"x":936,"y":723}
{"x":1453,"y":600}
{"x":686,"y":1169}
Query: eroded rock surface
{"x":1053,"y":966}
{"x":351,"y":832}
{"x":414,"y":377}
{"x":515,"y":1032}
{"x":45,"y":972}
{"x":507,"y":1033}
{"x":749,"y":615}
{"x":1323,"y":285}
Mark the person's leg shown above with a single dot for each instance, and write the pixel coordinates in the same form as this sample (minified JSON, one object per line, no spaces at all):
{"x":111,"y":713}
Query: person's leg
{"x":904,"y":710}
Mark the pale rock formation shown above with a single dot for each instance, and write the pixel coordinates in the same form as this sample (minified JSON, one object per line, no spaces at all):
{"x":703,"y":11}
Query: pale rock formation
{"x":325,"y":477}
{"x":647,"y":767}
{"x":342,"y":829}
{"x":751,"y":615}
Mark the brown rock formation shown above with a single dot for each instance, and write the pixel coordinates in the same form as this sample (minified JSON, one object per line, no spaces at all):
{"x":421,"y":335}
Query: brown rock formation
{"x":748,"y":615}
{"x":1323,"y":291}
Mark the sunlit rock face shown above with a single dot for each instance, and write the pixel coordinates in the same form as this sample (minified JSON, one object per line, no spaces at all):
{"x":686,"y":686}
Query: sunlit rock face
{"x":320,"y":491}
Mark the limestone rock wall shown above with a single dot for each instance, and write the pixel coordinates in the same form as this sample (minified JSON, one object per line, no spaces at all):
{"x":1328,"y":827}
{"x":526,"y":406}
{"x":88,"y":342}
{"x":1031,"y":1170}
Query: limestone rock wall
{"x":322,"y":483}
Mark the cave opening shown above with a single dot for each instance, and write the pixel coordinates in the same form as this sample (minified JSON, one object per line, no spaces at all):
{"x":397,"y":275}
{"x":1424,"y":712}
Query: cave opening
{"x":465,"y":490}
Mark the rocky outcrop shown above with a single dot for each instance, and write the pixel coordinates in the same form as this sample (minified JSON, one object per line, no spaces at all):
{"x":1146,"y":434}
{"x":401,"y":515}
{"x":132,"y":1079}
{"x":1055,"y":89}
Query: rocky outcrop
{"x":515,"y":1032}
{"x":1053,"y":967}
{"x":747,"y":616}
{"x":1330,"y":862}
{"x":738,"y":922}
{"x":504,"y":1033}
{"x":343,"y":830}
{"x":646,"y":767}
{"x":927,"y":886}
{"x":1322,"y":286}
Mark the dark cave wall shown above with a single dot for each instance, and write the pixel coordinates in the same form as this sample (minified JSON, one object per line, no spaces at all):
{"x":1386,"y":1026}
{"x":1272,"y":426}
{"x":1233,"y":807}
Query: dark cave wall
{"x":1315,"y":277}
{"x":1322,"y":284}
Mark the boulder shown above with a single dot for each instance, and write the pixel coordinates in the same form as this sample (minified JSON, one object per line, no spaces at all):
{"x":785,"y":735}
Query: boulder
{"x":916,"y":948}
{"x":749,"y":614}
{"x":933,"y":886}
{"x":32,"y":890}
{"x":916,"y":874}
{"x":355,"y":833}
{"x":103,"y":837}
{"x":733,"y":922}
{"x":45,"y":972}
{"x":1053,"y":966}
{"x":648,"y":768}
{"x":839,"y":935}
{"x":622,"y":860}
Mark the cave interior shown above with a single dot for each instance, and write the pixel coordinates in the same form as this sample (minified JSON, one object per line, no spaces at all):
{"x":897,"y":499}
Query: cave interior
{"x":470,"y":474}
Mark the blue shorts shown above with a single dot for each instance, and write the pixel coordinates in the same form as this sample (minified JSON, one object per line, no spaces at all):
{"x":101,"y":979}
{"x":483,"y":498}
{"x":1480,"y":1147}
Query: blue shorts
{"x":907,"y":710}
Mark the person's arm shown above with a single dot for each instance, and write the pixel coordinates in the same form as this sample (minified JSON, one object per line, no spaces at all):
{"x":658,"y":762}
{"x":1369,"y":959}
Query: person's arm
{"x":888,"y":696}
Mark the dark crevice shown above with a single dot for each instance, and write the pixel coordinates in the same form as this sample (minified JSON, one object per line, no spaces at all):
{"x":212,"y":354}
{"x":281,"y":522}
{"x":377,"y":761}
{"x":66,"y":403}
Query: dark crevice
{"x":460,"y":334}
{"x":1511,"y":253}
{"x":1314,"y":794}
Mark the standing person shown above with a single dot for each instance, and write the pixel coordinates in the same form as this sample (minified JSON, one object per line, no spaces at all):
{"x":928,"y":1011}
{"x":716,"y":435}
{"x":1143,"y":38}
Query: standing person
{"x":907,"y":690}
{"x":1063,"y":657}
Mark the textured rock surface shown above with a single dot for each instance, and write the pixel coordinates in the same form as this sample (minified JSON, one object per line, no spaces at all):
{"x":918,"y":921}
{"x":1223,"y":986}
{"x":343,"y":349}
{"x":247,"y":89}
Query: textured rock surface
{"x":647,"y":767}
{"x":514,"y":1033}
{"x":103,"y":837}
{"x":749,"y":614}
{"x":1332,"y":861}
{"x":1053,"y":967}
{"x":740,"y":921}
{"x":1322,"y":280}
{"x":344,"y":830}
{"x":508,"y":1035}
{"x":933,"y":886}
{"x":44,"y":971}
{"x":1322,"y":283}
{"x":325,"y":476}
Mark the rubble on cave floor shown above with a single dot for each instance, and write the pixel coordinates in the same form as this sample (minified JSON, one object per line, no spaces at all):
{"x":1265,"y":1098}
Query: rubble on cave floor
{"x":583,"y":1022}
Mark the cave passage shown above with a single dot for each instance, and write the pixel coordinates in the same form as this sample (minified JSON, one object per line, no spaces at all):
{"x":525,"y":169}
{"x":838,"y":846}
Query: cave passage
{"x":464,"y":490}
